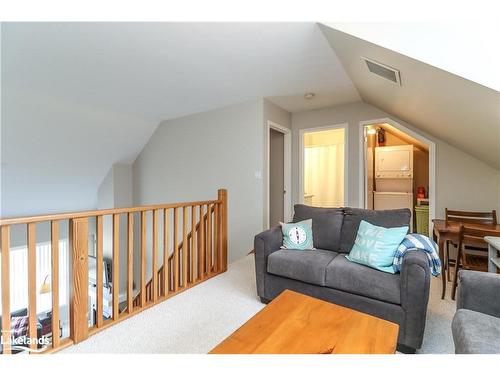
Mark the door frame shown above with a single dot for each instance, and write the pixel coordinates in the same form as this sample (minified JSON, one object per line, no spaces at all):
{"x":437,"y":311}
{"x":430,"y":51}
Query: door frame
{"x":344,"y":126}
{"x":287,"y":169}
{"x":363,"y":191}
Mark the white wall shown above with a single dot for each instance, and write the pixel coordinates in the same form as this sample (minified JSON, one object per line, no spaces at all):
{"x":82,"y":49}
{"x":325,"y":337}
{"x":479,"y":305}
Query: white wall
{"x":189,"y":158}
{"x":105,"y":192}
{"x":122,"y":178}
{"x":54,"y":153}
{"x":462,"y":181}
{"x":275,"y":113}
{"x":116,"y":191}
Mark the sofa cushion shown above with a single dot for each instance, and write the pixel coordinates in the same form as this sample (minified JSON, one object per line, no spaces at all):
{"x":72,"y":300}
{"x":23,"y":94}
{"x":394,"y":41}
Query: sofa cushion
{"x":355,"y":278}
{"x":376,"y":246}
{"x":382,"y":218}
{"x":308,"y":266}
{"x":326,"y":224}
{"x":297,"y":235}
{"x":475,"y":333}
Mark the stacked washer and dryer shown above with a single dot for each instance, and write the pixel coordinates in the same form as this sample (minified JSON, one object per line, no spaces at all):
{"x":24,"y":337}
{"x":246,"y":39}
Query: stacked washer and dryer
{"x":394,"y":178}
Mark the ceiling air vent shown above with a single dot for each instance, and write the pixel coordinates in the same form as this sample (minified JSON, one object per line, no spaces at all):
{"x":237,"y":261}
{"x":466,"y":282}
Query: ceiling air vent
{"x":383,"y":71}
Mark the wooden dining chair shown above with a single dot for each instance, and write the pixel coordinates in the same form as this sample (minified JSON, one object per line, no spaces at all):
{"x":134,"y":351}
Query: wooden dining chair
{"x":467,"y":217}
{"x":475,"y":237}
{"x":488,"y":217}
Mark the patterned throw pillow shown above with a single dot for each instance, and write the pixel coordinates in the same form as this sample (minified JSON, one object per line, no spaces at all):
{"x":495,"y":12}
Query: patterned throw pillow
{"x":376,"y":246}
{"x":297,"y":236}
{"x":19,"y":326}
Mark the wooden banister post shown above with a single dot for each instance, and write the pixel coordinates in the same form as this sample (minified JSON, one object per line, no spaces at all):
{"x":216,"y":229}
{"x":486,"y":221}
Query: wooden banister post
{"x":78,"y":242}
{"x":5,"y":241}
{"x":222,"y":194}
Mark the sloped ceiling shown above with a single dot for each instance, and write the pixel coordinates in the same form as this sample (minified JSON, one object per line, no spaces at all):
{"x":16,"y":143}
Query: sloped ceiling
{"x":78,"y":97}
{"x":458,"y":111}
{"x":166,"y":70}
{"x":468,"y":49}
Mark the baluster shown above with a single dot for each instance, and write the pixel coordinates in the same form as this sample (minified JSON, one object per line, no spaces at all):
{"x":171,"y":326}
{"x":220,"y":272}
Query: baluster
{"x":166,"y":273}
{"x":54,"y":236}
{"x":176,"y":252}
{"x":154,"y":276}
{"x":32,"y":285}
{"x":216,"y":238}
{"x":160,"y":282}
{"x":184,"y":248}
{"x":219,"y":236}
{"x":209,"y":239}
{"x":116,"y":266}
{"x":99,"y":272}
{"x":5,"y":233}
{"x":143,"y":258}
{"x":130,"y":262}
{"x":201,"y":244}
{"x":193,"y":245}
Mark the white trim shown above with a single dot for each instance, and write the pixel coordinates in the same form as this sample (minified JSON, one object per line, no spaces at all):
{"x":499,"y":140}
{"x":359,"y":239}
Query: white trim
{"x":287,"y":167}
{"x":412,"y":133}
{"x":344,"y":126}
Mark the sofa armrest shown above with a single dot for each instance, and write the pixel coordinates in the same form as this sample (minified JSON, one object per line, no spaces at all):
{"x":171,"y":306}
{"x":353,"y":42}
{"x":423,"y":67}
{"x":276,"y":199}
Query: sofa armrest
{"x":265,"y":243}
{"x":479,"y":291}
{"x":415,"y":287}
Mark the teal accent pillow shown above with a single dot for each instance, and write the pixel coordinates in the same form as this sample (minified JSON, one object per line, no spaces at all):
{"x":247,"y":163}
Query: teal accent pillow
{"x":376,"y":246}
{"x":297,"y":235}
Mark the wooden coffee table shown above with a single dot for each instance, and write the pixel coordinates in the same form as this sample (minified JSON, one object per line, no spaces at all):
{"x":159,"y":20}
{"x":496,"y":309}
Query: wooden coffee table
{"x":294,"y":323}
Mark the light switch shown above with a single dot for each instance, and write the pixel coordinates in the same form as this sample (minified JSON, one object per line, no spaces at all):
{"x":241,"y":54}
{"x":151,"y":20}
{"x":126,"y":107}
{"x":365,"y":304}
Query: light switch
{"x":258,"y":175}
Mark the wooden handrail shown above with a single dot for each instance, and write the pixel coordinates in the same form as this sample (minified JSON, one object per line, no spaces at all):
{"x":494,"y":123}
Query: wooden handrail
{"x":198,"y":254}
{"x":107,"y":211}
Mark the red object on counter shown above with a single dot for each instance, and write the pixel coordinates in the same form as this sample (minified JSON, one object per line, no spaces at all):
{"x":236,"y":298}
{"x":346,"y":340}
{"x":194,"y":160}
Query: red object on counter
{"x":420,"y":192}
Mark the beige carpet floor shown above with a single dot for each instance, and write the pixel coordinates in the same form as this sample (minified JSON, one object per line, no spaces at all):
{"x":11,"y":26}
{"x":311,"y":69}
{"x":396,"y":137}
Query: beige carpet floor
{"x":198,"y":319}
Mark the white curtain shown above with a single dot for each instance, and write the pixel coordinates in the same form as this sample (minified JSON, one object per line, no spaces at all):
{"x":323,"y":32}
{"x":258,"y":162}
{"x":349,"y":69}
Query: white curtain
{"x":324,"y":175}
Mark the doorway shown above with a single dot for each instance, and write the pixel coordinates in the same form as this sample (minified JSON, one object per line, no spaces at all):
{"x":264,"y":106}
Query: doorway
{"x":397,"y":171}
{"x":323,"y":170}
{"x":278,"y":173}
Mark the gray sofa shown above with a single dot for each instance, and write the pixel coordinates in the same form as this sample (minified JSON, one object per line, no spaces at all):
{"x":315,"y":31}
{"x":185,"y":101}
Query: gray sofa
{"x":325,"y":273}
{"x":476,"y":324}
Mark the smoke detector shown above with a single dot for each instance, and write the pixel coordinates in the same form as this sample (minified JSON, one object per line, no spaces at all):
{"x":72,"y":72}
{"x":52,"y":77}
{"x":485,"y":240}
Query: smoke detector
{"x":384,"y":71}
{"x":309,"y":95}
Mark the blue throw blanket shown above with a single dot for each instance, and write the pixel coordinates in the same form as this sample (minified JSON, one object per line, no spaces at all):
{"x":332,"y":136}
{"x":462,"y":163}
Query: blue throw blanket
{"x":420,"y":242}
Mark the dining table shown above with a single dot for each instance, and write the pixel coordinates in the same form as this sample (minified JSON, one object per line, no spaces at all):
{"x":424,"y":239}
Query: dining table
{"x":449,"y":231}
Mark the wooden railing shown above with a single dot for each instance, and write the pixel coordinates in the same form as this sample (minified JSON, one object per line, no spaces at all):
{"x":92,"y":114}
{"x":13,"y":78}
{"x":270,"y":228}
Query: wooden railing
{"x":199,"y":254}
{"x":198,"y":243}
